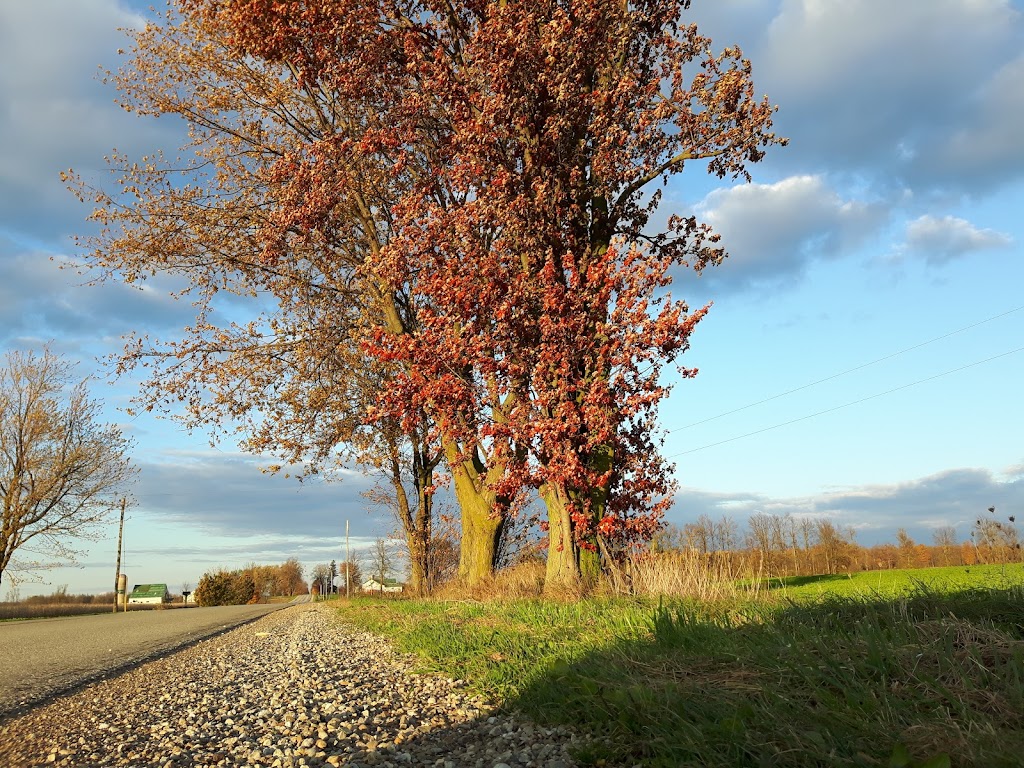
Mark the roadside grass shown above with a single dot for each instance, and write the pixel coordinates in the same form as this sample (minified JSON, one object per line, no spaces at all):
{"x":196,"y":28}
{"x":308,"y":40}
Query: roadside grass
{"x":838,"y":680}
{"x":894,"y":583}
{"x":15,"y":611}
{"x":24,"y":612}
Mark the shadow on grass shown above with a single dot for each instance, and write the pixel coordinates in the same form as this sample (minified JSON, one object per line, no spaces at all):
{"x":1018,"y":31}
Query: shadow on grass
{"x":781,"y":582}
{"x":842,"y":682}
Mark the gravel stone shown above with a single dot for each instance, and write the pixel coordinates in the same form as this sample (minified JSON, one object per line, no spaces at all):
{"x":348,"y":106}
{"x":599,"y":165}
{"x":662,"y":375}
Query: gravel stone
{"x":295,"y":688}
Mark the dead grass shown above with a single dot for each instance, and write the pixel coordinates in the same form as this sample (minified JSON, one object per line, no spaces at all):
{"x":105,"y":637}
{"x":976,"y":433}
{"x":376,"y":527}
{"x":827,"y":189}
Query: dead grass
{"x":689,"y":575}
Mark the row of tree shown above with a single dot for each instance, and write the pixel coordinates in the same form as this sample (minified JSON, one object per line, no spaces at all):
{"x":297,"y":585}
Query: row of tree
{"x":786,"y":545}
{"x":252,"y":584}
{"x":442,"y":216}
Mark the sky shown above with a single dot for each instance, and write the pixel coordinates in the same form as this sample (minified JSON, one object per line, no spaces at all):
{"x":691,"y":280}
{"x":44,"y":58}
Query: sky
{"x":862,"y":361}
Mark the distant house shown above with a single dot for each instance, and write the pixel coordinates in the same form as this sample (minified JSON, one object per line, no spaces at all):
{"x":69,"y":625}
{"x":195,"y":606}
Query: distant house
{"x":373,"y":584}
{"x":149,"y":594}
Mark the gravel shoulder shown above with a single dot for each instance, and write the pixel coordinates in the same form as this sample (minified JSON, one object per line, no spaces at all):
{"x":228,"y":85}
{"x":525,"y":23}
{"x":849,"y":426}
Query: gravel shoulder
{"x":294,"y":688}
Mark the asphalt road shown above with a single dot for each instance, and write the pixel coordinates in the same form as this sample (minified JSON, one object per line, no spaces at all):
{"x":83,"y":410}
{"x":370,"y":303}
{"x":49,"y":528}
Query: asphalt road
{"x":43,"y":658}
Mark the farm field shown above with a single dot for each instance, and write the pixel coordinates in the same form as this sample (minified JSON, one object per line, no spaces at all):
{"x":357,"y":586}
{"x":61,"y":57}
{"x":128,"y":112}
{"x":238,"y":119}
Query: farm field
{"x":810,"y":674}
{"x":895,"y":582}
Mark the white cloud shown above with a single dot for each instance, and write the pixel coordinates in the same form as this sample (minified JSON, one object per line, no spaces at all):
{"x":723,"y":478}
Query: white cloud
{"x":942,"y":239}
{"x":39,"y":299}
{"x":227,"y":494}
{"x":904,"y":92}
{"x":985,"y":146}
{"x":772,"y":231}
{"x":952,"y":498}
{"x":56,"y":114}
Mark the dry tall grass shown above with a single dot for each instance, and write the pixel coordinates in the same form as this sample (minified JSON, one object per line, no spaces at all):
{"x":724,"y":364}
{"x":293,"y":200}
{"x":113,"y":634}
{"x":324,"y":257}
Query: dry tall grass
{"x":683,"y":574}
{"x":670,"y":574}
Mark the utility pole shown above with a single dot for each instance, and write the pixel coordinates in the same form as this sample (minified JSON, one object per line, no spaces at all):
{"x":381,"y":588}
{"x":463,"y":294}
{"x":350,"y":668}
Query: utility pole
{"x":348,"y":565}
{"x":120,"y":538}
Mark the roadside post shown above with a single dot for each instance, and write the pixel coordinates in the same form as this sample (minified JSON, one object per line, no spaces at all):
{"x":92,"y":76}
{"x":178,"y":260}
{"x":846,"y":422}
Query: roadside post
{"x":122,"y":590}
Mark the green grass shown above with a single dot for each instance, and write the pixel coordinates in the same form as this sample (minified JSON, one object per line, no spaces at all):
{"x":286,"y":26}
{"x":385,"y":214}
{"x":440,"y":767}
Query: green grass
{"x":894,"y":583}
{"x":839,"y":680}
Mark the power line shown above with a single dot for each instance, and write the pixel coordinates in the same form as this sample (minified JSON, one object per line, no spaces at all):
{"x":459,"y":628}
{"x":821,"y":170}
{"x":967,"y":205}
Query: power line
{"x":847,"y":405}
{"x":848,"y":370}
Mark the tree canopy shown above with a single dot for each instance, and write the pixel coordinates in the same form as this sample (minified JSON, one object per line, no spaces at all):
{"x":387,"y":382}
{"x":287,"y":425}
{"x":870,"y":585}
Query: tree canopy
{"x":62,"y":470}
{"x":457,"y":197}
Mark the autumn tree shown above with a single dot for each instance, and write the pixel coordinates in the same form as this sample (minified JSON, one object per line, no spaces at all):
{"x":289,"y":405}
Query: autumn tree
{"x":216,"y":588}
{"x":289,"y":580}
{"x":291,"y":380}
{"x":462,"y":192}
{"x":945,"y":540}
{"x":350,"y":574}
{"x":544,"y":322}
{"x":907,"y":548}
{"x":62,"y":470}
{"x":321,"y":577}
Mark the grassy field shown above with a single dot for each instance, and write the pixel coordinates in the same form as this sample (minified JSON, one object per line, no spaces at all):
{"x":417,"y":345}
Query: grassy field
{"x":854,"y":679}
{"x":894,"y":583}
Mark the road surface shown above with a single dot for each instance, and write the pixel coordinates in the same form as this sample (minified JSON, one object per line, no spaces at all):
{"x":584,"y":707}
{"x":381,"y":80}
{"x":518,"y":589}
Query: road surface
{"x":43,"y":658}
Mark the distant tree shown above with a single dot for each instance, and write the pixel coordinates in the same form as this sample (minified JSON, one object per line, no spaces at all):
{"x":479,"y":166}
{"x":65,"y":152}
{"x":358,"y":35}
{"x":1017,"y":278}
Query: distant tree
{"x":907,"y":549}
{"x":289,"y":578}
{"x":243,"y":588}
{"x":671,"y":538}
{"x":833,"y":545}
{"x":760,"y":540}
{"x":996,"y":539}
{"x":968,"y":553}
{"x":321,"y":577}
{"x":349,"y":572}
{"x":381,"y":560}
{"x":945,"y":541}
{"x":215,"y":588}
{"x":61,"y":469}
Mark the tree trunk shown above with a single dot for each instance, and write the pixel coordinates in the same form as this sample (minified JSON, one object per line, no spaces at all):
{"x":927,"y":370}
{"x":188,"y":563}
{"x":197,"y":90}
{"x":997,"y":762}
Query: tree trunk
{"x":482,"y":517}
{"x":481,"y":530}
{"x":418,"y":541}
{"x":569,"y":566}
{"x":563,"y":568}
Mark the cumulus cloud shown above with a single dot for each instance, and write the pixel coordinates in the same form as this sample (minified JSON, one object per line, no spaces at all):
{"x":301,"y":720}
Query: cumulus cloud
{"x":952,"y":498}
{"x":940,"y":240}
{"x":905,"y":94}
{"x":772,"y":231}
{"x":227,"y":494}
{"x":984,"y":148}
{"x":56,"y":114}
{"x":40,"y":299}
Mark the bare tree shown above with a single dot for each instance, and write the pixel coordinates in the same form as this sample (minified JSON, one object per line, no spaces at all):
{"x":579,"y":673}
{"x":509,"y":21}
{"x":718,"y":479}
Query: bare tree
{"x":61,"y":470}
{"x":381,"y":564}
{"x":321,"y":577}
{"x":945,"y":540}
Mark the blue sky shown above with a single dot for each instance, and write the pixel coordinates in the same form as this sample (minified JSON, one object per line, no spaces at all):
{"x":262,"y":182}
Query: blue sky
{"x":891,"y":220}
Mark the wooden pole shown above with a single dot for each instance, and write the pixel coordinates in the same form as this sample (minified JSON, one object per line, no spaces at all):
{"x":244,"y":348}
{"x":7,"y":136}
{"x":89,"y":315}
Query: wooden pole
{"x":120,"y":538}
{"x":348,"y":565}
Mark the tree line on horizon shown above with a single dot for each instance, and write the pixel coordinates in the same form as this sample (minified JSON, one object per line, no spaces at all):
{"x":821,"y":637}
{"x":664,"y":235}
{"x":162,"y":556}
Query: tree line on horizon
{"x":252,"y":584}
{"x":789,"y":545}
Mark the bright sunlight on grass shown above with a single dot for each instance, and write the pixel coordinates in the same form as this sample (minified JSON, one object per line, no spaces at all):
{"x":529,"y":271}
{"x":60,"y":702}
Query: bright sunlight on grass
{"x":835,"y":679}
